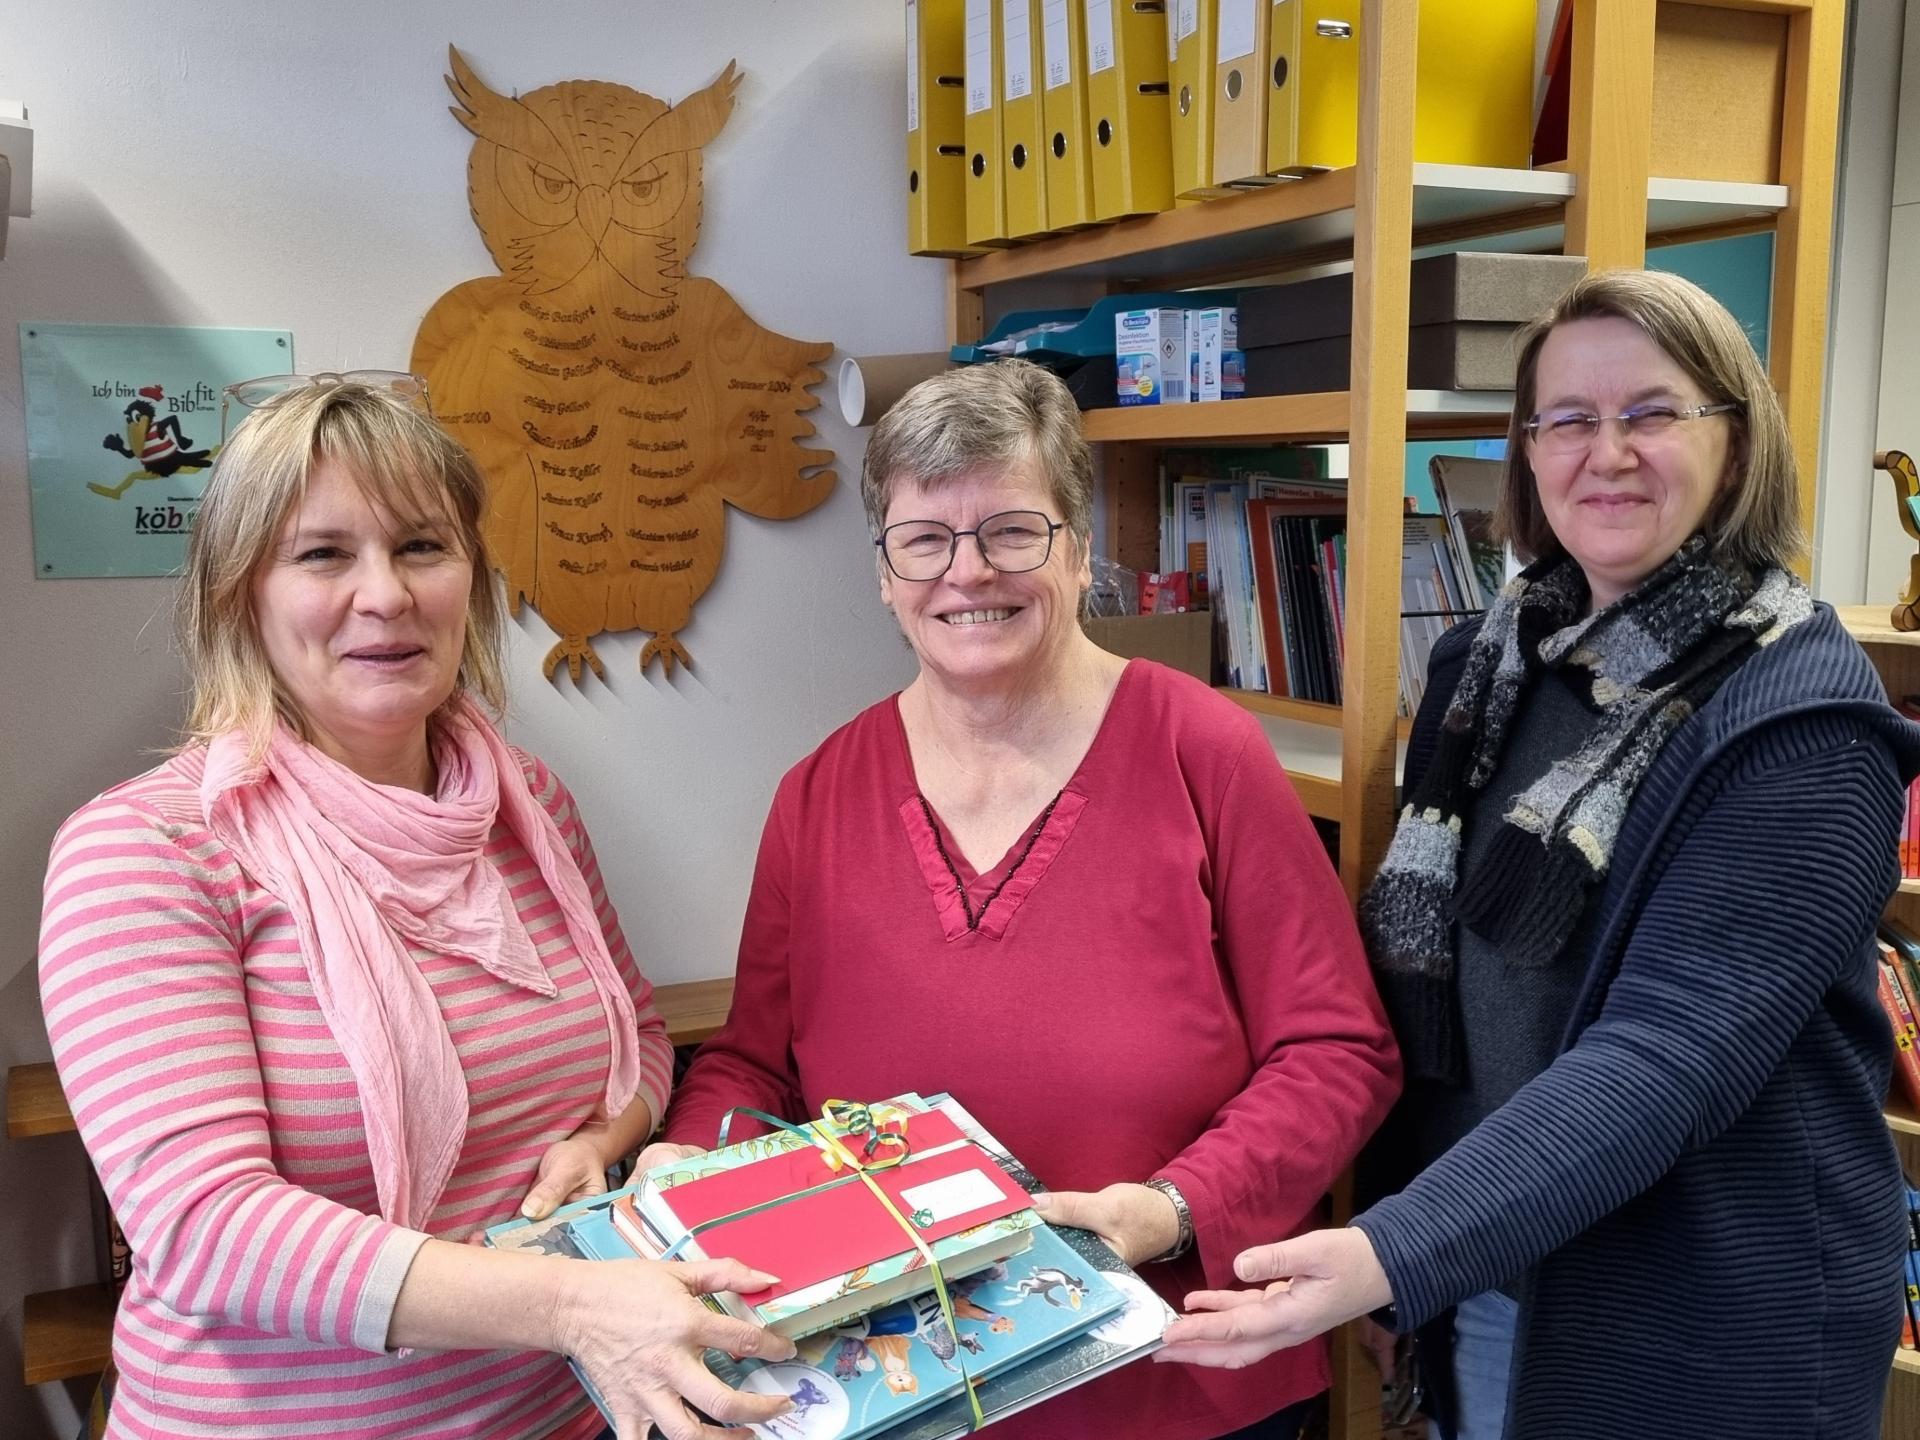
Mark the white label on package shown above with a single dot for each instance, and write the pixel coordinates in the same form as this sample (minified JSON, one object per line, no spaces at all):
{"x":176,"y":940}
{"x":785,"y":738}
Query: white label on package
{"x":1186,"y":18}
{"x":979,"y":56}
{"x":953,"y":1195}
{"x":1099,"y":36}
{"x":1236,"y":30}
{"x":1059,"y":47}
{"x":913,"y":66}
{"x":1016,"y":32}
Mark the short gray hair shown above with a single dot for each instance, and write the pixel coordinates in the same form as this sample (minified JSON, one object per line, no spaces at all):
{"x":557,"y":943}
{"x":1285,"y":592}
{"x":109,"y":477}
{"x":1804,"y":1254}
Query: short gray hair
{"x":959,"y":420}
{"x":1756,"y":521}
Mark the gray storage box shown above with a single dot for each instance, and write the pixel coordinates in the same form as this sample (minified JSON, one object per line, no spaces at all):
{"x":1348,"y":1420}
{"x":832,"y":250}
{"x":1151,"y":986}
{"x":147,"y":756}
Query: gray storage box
{"x":1469,"y":285}
{"x":1458,"y":356}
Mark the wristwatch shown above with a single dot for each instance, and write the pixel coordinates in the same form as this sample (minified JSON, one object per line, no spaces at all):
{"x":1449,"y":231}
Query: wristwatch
{"x":1185,"y":1216}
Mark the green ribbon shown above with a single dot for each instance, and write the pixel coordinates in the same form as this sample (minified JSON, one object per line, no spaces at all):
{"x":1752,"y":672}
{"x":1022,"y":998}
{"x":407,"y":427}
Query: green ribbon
{"x":842,"y":1120}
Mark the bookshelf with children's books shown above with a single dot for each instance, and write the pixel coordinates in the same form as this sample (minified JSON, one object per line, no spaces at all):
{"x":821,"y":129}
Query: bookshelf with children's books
{"x":1896,"y":655}
{"x":1379,"y":214}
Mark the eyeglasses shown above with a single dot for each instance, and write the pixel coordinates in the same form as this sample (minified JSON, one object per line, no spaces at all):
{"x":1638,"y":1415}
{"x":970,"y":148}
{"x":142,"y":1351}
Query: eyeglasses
{"x":1012,"y":542}
{"x":1570,"y":432}
{"x":251,"y":394}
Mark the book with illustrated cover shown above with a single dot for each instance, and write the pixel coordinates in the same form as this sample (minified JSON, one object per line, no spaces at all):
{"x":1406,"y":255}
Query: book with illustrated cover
{"x":837,"y":1249}
{"x":1063,"y":1312}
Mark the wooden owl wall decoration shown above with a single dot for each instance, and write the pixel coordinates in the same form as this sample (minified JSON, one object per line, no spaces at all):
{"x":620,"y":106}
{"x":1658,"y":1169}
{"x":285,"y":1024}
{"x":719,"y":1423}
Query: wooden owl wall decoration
{"x":617,"y":403}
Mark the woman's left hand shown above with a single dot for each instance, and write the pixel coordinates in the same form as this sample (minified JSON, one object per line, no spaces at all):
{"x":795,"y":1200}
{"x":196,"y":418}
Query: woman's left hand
{"x":1319,"y":1280}
{"x":1138,"y":1222}
{"x":572,"y":1169}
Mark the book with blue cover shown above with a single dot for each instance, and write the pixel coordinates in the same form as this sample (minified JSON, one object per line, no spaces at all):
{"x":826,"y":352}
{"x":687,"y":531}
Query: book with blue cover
{"x":1055,"y":1316}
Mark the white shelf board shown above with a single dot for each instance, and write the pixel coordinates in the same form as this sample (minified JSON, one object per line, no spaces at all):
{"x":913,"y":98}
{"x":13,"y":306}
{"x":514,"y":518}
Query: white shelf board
{"x":1305,"y":748}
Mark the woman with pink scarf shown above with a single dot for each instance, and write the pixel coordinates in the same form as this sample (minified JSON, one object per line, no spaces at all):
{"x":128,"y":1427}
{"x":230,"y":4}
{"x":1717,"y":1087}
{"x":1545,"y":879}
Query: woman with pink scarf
{"x":338,"y":985}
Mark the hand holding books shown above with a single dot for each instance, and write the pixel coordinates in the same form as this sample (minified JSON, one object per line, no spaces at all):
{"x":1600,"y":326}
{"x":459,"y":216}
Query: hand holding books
{"x":636,"y":1329}
{"x":1137,"y":1222}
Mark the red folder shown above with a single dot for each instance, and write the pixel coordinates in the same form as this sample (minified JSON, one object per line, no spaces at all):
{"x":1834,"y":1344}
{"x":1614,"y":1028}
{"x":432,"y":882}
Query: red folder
{"x":833,"y":1231}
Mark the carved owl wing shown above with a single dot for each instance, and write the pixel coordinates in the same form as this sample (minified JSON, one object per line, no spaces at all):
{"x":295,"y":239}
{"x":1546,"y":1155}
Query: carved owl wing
{"x":756,"y":381}
{"x":457,"y":351}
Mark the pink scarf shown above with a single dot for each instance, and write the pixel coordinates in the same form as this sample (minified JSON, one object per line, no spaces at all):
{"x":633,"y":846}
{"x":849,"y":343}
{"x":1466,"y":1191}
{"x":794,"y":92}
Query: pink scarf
{"x":367,"y":870}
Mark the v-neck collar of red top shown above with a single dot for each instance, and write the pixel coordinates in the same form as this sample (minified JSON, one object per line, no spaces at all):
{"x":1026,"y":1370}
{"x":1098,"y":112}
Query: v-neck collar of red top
{"x":1055,"y":829}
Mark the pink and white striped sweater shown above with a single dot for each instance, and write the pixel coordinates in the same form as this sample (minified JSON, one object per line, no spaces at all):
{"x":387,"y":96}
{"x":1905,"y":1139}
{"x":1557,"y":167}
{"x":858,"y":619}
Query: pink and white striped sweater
{"x":226,"y":1129}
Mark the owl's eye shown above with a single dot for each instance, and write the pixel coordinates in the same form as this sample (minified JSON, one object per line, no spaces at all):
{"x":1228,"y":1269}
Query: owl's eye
{"x":644,"y":186}
{"x":551,"y":184}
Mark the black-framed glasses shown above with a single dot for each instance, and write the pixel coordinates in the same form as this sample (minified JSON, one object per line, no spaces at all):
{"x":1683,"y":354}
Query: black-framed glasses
{"x":251,"y":394}
{"x":1012,"y":542}
{"x":1570,"y":432}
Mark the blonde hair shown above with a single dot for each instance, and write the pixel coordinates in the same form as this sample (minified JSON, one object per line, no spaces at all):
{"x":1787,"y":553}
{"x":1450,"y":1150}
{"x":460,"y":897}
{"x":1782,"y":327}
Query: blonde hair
{"x":1755,"y":519}
{"x":401,"y":460}
{"x":999,"y":413}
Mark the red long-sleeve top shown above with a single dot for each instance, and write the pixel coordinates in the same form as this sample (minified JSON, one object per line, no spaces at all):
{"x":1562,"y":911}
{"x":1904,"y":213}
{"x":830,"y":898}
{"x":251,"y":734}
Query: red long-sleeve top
{"x":1171,"y":984}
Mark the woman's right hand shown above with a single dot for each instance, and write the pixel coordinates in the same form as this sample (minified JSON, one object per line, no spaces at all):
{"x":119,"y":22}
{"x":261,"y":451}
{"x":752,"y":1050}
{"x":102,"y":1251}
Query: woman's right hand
{"x":636,"y":1329}
{"x":662,"y":1152}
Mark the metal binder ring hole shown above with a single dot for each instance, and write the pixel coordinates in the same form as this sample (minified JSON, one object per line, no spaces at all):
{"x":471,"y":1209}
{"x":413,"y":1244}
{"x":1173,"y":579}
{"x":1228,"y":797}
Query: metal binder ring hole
{"x":1280,"y":72}
{"x":913,"y":182}
{"x":1333,"y":29}
{"x":1233,"y":85}
{"x":1019,"y":157}
{"x":1059,"y":145}
{"x":1105,"y":132}
{"x":1186,"y":99}
{"x":979,"y":165}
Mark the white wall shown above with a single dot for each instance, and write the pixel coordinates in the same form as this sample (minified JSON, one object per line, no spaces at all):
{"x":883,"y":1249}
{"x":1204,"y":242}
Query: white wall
{"x":1851,"y":494}
{"x":231,"y":163}
{"x":1889,"y":549}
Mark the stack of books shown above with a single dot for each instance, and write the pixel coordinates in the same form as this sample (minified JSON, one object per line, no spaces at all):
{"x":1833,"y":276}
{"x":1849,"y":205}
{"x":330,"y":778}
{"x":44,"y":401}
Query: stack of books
{"x":1899,"y":990}
{"x":1036,"y":1310}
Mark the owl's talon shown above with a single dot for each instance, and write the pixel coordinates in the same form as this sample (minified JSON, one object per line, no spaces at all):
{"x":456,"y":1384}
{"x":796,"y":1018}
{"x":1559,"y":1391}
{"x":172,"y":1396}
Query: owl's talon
{"x":668,"y":650}
{"x":573,"y":649}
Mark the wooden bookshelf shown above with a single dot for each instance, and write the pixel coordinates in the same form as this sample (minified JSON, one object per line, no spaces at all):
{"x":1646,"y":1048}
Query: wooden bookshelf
{"x":1902,"y":1118}
{"x":693,"y":1010}
{"x":1431,"y":415}
{"x":66,"y":1333}
{"x":35,"y":1104}
{"x":1310,"y":221}
{"x":1873,"y":625}
{"x":1907,"y":1361}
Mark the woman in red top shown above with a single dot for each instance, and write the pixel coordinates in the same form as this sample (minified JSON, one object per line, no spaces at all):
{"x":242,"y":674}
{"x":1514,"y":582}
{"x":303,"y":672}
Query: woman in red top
{"x":1075,"y":891}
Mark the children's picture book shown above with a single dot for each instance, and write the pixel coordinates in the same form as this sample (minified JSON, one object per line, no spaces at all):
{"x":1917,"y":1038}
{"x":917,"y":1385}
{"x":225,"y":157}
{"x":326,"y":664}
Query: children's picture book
{"x":838,"y":1250}
{"x":1060,"y":1313}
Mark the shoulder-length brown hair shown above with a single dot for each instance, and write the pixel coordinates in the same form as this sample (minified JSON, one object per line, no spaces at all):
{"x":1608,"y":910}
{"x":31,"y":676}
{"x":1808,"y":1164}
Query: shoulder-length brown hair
{"x":401,"y":460}
{"x":1755,"y":519}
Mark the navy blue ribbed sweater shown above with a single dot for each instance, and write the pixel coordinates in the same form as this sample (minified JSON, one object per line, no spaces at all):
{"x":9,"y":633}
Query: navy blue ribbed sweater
{"x":1702,"y":1179}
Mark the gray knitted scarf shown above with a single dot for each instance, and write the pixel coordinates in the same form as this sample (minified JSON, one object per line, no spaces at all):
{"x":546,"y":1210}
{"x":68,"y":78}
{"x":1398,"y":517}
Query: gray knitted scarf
{"x":1644,"y":664}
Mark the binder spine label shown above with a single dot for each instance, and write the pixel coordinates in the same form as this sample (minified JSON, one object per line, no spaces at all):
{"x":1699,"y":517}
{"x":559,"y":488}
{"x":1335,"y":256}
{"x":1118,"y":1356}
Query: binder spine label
{"x":979,"y":56}
{"x":1057,"y":42}
{"x":1099,"y":36}
{"x":1016,"y":39}
{"x":1237,"y":30}
{"x":913,"y":66}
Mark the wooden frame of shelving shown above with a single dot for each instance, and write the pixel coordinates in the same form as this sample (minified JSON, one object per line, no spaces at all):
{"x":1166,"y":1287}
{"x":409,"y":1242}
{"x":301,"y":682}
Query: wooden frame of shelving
{"x":1382,"y":212}
{"x":1896,"y":655}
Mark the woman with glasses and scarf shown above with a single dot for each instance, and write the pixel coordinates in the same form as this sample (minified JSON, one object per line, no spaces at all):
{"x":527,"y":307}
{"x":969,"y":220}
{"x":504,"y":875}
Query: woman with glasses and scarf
{"x":1076,"y":892}
{"x":1625,"y":930}
{"x":338,"y":985}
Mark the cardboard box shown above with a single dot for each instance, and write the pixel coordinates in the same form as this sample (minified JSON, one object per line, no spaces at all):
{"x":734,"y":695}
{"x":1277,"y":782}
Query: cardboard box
{"x":1151,"y":356}
{"x":1183,"y":641}
{"x":1458,"y":356}
{"x":1471,"y":285}
{"x":1220,"y":369}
